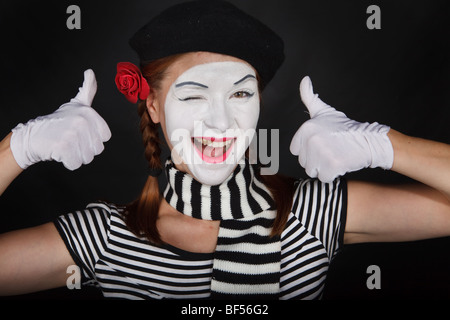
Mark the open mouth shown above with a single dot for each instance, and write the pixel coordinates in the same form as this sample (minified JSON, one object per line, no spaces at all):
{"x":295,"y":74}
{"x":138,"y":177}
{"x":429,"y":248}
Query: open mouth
{"x":213,"y":150}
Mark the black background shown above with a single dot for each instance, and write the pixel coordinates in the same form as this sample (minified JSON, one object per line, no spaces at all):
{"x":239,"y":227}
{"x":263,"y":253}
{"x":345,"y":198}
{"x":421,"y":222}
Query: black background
{"x":398,"y":75}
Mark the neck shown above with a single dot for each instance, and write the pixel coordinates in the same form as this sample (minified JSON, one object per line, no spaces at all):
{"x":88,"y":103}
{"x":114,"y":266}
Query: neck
{"x":186,"y":233}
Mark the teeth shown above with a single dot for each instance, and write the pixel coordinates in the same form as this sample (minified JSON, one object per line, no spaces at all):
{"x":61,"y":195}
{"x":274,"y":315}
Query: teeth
{"x":214,"y":144}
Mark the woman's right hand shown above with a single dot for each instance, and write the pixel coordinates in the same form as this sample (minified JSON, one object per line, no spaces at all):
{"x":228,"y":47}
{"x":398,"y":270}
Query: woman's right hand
{"x":73,"y":134}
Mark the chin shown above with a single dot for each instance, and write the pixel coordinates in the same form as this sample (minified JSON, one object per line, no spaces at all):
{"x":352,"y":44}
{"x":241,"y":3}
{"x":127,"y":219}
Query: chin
{"x":211,"y":174}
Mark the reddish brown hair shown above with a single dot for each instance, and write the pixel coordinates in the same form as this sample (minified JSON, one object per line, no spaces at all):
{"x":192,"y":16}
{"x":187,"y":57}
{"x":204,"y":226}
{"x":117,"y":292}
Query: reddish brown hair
{"x":142,"y":214}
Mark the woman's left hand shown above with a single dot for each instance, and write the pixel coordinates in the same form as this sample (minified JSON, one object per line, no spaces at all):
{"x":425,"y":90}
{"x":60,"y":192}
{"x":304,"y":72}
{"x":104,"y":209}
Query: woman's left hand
{"x":330,"y":144}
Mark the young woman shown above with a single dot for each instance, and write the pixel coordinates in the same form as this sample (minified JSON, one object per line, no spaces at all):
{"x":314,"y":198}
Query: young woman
{"x":220,"y":228}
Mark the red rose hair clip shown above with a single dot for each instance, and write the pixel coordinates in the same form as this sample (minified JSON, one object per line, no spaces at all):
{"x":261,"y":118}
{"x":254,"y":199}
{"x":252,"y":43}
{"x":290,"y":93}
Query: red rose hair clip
{"x":131,"y":83}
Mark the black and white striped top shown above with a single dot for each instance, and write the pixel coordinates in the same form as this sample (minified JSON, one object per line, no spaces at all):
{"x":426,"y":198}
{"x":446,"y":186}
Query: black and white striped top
{"x":125,"y":266}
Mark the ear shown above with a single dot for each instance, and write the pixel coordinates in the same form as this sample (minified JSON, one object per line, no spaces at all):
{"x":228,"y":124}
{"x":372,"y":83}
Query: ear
{"x":153,"y":106}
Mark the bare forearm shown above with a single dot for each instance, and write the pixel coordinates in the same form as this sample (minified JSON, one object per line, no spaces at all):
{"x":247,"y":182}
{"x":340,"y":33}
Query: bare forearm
{"x":9,"y":169}
{"x":32,"y":259}
{"x":423,"y":160}
{"x":378,"y":212}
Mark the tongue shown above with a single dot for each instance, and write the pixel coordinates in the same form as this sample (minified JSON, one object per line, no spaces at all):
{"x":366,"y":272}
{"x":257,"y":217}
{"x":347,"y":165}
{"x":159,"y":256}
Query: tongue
{"x":212,"y":152}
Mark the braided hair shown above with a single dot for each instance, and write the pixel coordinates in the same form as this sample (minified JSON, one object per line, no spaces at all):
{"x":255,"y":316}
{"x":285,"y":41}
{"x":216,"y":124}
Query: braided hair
{"x":141,"y":214}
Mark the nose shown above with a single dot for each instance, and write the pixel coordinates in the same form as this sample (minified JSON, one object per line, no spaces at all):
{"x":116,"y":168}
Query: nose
{"x":219,"y":115}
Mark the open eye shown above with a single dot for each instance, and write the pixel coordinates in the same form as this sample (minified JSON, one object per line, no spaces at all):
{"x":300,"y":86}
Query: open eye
{"x":242,"y":94}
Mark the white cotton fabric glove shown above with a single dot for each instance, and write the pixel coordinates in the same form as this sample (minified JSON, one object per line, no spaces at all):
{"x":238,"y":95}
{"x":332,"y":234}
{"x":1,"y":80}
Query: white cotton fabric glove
{"x":330,"y":144}
{"x":73,"y":134}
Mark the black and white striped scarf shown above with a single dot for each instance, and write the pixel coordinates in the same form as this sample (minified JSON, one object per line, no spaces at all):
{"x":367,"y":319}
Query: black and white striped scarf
{"x":247,"y":260}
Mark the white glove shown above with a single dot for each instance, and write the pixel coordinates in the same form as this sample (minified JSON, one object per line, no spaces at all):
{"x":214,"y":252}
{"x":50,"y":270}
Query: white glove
{"x":73,"y":134}
{"x":330,"y":144}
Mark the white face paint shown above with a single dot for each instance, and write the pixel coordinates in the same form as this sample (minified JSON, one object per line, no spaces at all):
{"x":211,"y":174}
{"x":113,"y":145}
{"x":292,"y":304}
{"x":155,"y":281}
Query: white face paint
{"x":211,"y":113}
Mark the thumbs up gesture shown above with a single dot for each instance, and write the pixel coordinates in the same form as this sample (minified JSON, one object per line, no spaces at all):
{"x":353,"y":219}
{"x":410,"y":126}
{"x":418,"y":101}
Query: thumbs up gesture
{"x":73,"y":134}
{"x":329,"y":144}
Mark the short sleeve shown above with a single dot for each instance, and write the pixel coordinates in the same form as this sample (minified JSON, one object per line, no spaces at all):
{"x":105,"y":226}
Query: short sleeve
{"x":322,"y":209}
{"x":85,"y":234}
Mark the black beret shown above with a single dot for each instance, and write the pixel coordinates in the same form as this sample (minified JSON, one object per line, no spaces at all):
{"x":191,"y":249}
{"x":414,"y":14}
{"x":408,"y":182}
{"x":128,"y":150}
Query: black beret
{"x":213,"y":26}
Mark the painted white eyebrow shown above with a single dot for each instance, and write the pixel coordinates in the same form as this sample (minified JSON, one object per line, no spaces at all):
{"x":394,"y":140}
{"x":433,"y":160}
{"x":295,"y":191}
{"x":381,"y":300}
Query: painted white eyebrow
{"x":186,"y":83}
{"x":244,"y":78}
